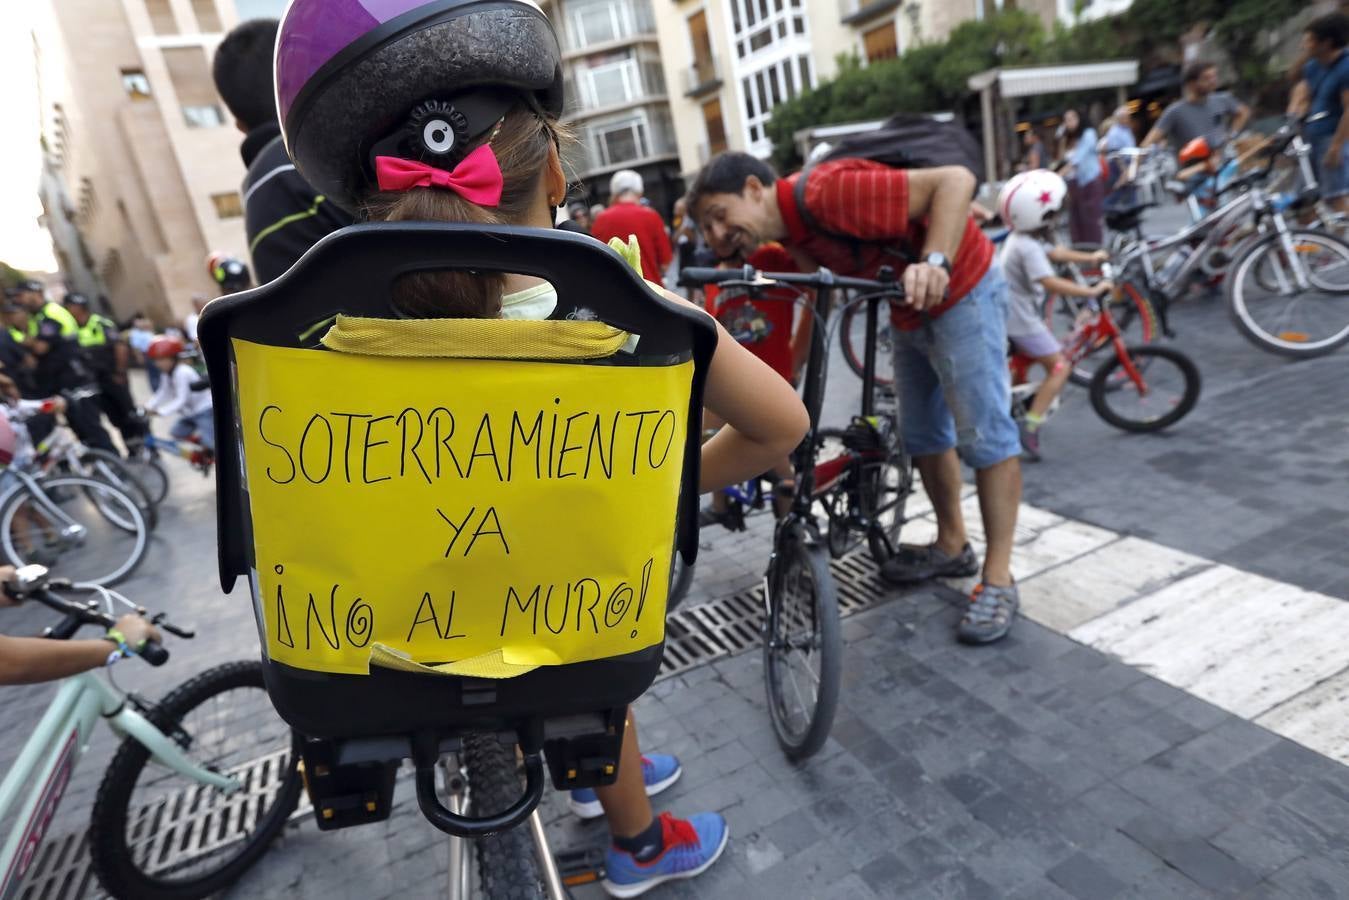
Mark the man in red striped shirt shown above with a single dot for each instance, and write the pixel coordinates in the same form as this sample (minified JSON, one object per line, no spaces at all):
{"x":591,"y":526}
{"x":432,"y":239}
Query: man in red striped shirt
{"x":950,"y":335}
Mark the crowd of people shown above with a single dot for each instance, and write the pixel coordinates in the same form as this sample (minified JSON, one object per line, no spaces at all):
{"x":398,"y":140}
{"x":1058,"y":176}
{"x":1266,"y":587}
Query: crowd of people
{"x":961,"y":302}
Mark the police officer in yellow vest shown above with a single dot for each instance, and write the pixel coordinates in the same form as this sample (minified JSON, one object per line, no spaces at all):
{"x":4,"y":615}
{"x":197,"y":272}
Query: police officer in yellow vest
{"x":29,"y":294}
{"x":108,"y":357}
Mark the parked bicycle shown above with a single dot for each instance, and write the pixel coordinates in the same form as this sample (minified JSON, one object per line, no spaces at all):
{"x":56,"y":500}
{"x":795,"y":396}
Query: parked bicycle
{"x":860,"y":487}
{"x":1287,"y":286}
{"x":91,"y":528}
{"x":62,"y":452}
{"x":204,"y":779}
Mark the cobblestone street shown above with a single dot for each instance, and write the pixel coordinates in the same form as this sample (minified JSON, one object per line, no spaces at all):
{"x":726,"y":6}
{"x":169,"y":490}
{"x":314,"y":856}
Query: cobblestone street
{"x":1169,"y":719}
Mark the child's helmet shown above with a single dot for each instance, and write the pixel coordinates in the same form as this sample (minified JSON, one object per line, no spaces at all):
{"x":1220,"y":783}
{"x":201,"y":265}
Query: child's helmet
{"x":1027,"y":201}
{"x":420,"y":78}
{"x":164,"y":347}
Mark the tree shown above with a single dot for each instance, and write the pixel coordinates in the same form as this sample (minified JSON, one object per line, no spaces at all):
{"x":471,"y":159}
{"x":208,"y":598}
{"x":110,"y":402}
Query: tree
{"x":935,"y":76}
{"x":10,"y":276}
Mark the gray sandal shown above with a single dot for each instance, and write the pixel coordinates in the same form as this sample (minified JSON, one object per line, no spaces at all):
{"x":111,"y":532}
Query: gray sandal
{"x":990,"y":614}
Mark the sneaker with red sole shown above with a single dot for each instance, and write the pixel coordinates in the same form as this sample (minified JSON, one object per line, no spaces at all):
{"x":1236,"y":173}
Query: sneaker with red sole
{"x":690,"y":847}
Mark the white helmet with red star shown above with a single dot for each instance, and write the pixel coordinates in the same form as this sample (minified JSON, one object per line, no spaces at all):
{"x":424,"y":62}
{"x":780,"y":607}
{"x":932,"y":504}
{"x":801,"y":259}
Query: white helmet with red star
{"x":1028,"y":200}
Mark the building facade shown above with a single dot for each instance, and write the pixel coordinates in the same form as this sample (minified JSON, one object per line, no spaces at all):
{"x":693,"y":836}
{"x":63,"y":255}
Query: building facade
{"x":729,"y":62}
{"x":142,"y":167}
{"x":617,"y":97}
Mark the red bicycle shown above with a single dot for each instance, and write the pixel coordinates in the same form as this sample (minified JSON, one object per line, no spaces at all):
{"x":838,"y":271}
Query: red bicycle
{"x":1138,"y":388}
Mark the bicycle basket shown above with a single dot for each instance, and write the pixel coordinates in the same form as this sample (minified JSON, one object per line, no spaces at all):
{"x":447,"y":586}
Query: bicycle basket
{"x":454,"y":523}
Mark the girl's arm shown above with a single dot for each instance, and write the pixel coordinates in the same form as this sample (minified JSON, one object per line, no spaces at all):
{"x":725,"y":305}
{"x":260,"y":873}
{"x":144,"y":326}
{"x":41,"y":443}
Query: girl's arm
{"x":1056,"y":285}
{"x":764,"y":417}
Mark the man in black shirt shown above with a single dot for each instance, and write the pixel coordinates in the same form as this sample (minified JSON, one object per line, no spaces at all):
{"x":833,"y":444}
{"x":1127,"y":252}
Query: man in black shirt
{"x":283,"y":215}
{"x":61,"y":370}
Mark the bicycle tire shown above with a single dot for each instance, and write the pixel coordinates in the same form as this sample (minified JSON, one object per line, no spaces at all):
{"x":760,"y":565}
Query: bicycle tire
{"x":114,"y":857}
{"x":146,"y":465}
{"x":1286,"y":343}
{"x":886,"y":513}
{"x":885,"y":377}
{"x":681,"y":579}
{"x":1101,"y":391}
{"x":793,"y":557}
{"x":508,"y":868}
{"x":113,"y":469}
{"x":139,"y":536}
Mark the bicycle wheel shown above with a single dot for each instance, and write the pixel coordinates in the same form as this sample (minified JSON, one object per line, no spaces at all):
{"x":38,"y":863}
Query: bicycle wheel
{"x":80,"y":542}
{"x":507,"y":865}
{"x":884,"y":488}
{"x":113,"y":469}
{"x":681,"y":579}
{"x":1169,"y":389}
{"x":852,"y":339}
{"x":1132,"y":311}
{"x":148,"y":468}
{"x":157,"y":835}
{"x":803,"y":646}
{"x":1271,"y":308}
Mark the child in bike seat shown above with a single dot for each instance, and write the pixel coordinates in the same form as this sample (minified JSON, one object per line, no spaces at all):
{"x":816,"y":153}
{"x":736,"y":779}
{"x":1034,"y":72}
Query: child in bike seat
{"x":454,"y":136}
{"x":1027,"y":205}
{"x":175,"y":395}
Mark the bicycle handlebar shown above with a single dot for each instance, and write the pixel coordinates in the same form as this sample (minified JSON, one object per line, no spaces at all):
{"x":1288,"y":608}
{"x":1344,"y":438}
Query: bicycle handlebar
{"x":32,"y":583}
{"x":697,"y":276}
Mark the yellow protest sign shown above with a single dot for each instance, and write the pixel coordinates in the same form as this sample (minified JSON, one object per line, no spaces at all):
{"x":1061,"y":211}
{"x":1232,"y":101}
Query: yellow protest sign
{"x":443,"y":510}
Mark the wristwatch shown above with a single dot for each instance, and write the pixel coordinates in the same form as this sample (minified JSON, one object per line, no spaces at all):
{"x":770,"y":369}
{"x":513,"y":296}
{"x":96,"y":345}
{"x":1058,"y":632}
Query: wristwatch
{"x":938,"y":259}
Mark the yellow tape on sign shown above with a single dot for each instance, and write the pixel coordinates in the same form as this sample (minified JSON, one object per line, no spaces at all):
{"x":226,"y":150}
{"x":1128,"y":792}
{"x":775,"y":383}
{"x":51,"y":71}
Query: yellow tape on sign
{"x":447,"y":510}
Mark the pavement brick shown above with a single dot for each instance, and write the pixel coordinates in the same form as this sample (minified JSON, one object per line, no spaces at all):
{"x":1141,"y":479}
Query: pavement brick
{"x":1085,"y":878}
{"x":1034,"y":769}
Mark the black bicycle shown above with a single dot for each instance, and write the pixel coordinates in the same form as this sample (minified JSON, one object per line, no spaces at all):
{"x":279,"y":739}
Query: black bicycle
{"x":860,"y":487}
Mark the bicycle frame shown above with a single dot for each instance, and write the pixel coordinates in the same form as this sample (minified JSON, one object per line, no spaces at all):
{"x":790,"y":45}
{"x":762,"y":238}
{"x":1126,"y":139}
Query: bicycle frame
{"x":35,"y":784}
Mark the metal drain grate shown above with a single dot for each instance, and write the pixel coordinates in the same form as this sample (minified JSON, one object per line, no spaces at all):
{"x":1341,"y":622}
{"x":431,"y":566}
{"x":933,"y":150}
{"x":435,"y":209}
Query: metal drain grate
{"x":180,"y":833}
{"x":700,"y":634}
{"x":177,"y":830}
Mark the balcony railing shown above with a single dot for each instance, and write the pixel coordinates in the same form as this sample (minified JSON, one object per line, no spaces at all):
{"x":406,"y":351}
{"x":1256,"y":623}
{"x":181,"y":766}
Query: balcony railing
{"x":702,"y":77}
{"x":854,"y":12}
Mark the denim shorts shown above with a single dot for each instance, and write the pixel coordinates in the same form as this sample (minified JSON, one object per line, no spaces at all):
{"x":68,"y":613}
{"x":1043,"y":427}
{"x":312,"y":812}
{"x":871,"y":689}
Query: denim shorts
{"x":952,"y":379}
{"x":1334,"y":180}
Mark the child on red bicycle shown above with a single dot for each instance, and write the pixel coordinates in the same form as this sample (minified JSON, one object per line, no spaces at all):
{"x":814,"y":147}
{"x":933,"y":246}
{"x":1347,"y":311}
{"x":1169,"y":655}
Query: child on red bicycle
{"x":1027,"y":205}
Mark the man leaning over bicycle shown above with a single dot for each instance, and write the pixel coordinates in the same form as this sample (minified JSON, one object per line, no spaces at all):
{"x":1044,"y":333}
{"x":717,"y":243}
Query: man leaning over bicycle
{"x":31,"y":660}
{"x":950,"y":335}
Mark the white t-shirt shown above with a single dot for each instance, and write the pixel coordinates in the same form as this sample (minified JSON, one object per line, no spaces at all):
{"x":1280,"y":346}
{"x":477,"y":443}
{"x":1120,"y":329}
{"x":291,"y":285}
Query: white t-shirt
{"x":175,"y":396}
{"x":1025,"y":260}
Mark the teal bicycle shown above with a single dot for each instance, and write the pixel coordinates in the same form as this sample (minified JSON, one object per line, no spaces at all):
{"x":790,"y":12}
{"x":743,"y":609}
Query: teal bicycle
{"x":204,"y":780}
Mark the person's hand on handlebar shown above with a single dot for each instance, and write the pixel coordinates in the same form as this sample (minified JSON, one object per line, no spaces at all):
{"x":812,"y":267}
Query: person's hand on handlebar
{"x":925,"y":285}
{"x":136,"y":630}
{"x":1103,"y":287}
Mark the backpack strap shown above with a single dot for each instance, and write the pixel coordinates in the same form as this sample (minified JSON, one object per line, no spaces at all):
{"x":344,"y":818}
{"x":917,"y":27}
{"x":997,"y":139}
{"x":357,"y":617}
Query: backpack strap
{"x":903,"y":251}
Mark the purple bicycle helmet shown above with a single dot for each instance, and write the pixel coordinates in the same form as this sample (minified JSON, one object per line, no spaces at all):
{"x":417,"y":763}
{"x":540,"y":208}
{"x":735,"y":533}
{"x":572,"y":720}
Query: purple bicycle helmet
{"x":416,"y":77}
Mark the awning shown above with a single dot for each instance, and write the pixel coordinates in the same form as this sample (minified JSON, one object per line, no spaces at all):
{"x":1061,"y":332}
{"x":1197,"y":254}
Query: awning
{"x":1031,"y":80}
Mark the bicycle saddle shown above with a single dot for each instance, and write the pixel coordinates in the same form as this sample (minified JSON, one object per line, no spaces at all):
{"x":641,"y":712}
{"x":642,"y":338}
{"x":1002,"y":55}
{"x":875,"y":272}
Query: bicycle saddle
{"x":1125,"y":218}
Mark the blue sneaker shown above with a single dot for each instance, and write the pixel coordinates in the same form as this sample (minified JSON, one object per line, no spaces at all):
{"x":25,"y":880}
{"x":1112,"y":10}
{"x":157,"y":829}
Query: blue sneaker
{"x":659,"y":771}
{"x":690,"y":848}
